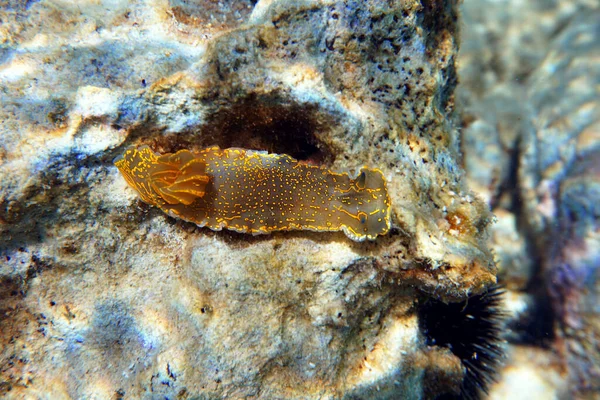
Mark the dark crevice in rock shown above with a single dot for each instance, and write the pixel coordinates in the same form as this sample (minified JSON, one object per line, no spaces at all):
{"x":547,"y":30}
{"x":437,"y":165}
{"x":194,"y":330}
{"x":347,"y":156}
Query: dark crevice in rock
{"x":269,"y":124}
{"x":538,"y":328}
{"x":509,"y":185}
{"x":445,"y":96}
{"x":273,"y":124}
{"x":438,"y":17}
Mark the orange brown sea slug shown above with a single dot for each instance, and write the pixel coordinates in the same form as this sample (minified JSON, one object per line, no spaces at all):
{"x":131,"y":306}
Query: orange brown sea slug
{"x":256,"y":192}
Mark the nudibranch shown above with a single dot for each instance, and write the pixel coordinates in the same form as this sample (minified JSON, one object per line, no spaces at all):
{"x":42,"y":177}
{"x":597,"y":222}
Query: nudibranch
{"x":257,"y":192}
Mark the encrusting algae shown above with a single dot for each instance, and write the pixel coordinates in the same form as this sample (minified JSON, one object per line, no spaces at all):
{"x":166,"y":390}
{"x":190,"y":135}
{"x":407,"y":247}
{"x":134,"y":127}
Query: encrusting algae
{"x":256,"y":192}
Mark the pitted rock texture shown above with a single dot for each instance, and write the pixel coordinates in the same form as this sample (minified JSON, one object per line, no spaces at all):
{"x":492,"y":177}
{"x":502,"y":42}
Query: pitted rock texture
{"x":364,"y":90}
{"x":105,"y":296}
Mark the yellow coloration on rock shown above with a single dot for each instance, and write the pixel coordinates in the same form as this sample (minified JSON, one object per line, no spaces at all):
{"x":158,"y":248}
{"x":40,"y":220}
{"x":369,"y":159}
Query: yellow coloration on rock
{"x":256,"y":192}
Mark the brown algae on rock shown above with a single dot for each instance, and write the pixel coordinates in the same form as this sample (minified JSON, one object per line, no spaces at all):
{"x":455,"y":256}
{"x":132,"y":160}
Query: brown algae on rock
{"x":256,"y":192}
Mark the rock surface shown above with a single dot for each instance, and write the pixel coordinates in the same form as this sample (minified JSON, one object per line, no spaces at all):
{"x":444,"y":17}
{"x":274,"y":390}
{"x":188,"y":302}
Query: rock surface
{"x":530,"y":373}
{"x":566,"y":189}
{"x":103,"y":296}
{"x":531,"y":89}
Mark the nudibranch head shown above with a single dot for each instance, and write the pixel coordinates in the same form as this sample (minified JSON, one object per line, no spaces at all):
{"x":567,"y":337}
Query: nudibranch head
{"x":256,"y":192}
{"x":171,"y":178}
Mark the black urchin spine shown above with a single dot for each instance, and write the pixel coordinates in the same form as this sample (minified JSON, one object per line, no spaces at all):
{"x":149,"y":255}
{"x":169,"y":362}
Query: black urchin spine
{"x":472,"y":330}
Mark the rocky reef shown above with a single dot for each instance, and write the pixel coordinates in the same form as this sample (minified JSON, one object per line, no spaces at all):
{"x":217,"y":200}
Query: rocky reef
{"x":103,"y":296}
{"x":530,"y":103}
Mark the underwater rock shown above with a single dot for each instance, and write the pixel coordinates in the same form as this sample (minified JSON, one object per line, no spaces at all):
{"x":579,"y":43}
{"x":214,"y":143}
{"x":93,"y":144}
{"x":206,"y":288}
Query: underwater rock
{"x":104,"y":296}
{"x":356,"y":94}
{"x":530,"y":373}
{"x":561,"y":183}
{"x":503,"y":43}
{"x":530,"y":98}
{"x":515,"y":266}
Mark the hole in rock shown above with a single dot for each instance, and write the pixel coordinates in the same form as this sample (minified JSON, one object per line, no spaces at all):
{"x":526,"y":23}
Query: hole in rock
{"x":271,"y":124}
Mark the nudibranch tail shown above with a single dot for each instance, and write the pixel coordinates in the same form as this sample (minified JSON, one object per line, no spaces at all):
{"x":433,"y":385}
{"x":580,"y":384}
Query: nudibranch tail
{"x":256,"y":192}
{"x":364,"y":207}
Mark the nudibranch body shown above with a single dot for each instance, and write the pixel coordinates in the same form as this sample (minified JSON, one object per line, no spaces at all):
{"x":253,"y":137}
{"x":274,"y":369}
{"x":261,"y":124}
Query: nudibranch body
{"x":256,"y":192}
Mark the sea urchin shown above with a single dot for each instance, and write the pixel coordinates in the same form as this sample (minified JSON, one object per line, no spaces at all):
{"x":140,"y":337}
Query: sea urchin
{"x":471,"y":330}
